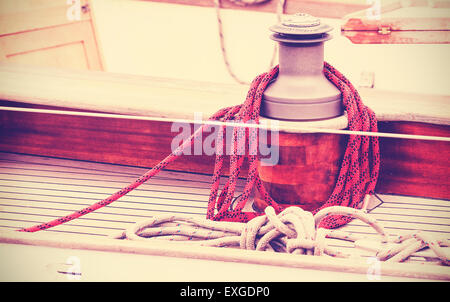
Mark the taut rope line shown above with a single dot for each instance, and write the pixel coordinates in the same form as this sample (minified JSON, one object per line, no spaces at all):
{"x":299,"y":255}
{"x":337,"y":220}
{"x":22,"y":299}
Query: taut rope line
{"x":357,"y":177}
{"x":280,"y":10}
{"x":295,"y":128}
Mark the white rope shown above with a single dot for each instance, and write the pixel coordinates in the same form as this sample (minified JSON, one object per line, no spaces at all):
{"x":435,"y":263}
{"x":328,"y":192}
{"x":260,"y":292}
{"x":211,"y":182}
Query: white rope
{"x":292,"y":231}
{"x":294,"y":128}
{"x":279,"y":12}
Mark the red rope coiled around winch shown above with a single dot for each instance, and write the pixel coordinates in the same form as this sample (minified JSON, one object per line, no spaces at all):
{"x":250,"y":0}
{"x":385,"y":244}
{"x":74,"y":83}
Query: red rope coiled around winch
{"x":357,"y":176}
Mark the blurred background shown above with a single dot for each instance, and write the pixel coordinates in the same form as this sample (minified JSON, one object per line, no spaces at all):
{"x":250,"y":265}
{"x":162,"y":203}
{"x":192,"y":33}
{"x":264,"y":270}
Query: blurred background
{"x":180,"y":39}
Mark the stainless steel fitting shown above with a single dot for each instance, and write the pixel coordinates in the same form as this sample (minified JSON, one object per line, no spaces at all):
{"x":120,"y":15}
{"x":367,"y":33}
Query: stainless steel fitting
{"x":301,"y":91}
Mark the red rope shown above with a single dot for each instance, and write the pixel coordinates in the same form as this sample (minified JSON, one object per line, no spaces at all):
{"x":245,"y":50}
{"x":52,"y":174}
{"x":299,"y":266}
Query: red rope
{"x":357,"y":177}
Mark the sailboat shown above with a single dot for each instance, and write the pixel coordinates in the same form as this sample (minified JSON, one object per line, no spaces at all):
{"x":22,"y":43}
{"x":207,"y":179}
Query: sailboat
{"x":94,"y":93}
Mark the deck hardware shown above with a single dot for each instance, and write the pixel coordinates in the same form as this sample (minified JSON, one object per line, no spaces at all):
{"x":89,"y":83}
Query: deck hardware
{"x":301,"y":91}
{"x":367,"y":79}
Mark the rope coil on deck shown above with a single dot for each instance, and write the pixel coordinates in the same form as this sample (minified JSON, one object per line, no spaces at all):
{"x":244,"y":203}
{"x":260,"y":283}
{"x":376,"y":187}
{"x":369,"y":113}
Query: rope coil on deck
{"x":292,"y":231}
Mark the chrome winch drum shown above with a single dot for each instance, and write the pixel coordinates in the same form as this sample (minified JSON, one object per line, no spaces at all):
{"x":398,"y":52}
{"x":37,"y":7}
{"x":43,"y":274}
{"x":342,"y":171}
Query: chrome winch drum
{"x":301,"y":91}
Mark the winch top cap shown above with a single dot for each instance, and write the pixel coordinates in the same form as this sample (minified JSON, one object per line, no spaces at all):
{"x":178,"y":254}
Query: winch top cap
{"x":301,"y":24}
{"x":301,"y":20}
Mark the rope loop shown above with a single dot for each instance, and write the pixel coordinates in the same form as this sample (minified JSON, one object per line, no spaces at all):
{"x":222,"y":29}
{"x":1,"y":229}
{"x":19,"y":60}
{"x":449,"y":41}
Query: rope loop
{"x":293,"y":231}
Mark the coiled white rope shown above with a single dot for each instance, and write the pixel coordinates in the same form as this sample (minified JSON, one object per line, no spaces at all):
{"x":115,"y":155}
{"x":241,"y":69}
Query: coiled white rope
{"x":292,"y":231}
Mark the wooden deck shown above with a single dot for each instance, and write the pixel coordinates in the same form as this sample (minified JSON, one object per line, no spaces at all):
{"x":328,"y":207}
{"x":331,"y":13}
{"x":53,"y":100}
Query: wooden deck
{"x":413,"y":168}
{"x":35,"y":189}
{"x":41,"y":187}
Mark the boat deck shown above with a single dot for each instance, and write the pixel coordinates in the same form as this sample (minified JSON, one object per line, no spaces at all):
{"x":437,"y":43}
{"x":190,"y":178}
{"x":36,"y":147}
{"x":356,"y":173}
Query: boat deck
{"x":35,"y":189}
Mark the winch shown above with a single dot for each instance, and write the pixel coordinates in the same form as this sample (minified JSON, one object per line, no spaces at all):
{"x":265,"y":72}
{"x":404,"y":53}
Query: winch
{"x":315,"y":169}
{"x":301,"y":91}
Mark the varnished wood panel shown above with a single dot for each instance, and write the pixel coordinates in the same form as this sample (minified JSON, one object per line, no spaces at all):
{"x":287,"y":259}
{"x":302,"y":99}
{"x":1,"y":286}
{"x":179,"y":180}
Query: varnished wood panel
{"x":24,"y":15}
{"x":399,"y":37}
{"x":39,"y":33}
{"x":319,"y":8}
{"x":408,"y":167}
{"x":413,"y":27}
{"x":108,"y":140}
{"x":68,"y":46}
{"x":307,"y":170}
{"x":414,"y":167}
{"x":71,"y":55}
